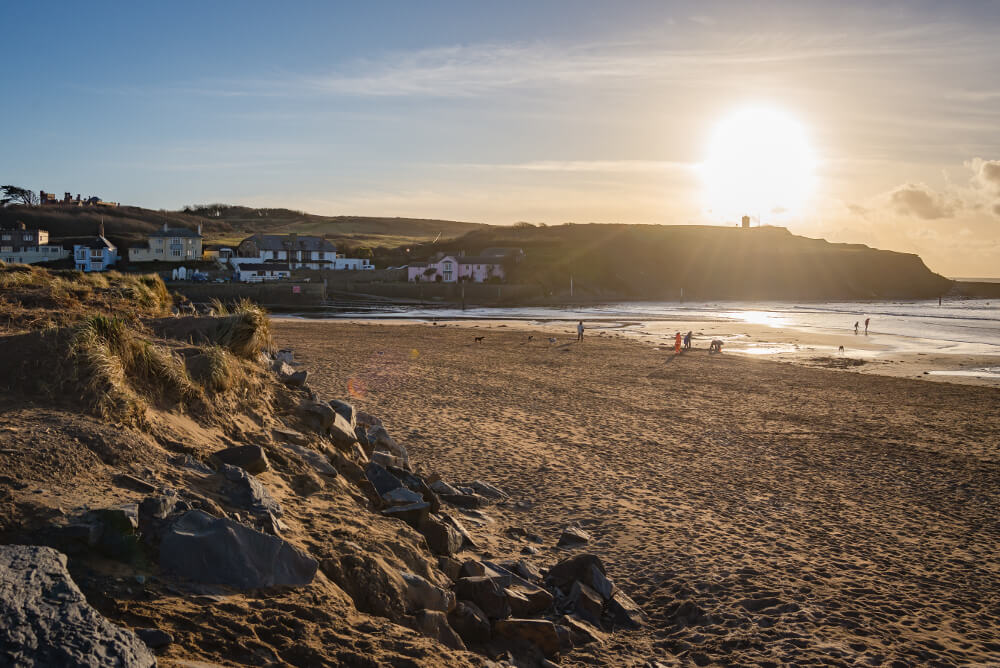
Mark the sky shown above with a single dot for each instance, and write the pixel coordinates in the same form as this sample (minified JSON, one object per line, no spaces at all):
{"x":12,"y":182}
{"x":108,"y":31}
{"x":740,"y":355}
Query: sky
{"x":538,"y":111}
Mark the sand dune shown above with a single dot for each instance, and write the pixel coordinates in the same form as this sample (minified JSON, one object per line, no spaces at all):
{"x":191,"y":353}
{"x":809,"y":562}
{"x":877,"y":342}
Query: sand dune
{"x":762,"y":513}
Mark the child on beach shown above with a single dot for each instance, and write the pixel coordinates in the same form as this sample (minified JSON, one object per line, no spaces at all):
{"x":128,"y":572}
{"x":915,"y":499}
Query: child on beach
{"x":866,"y":325}
{"x":579,"y":331}
{"x":855,"y":328}
{"x":687,"y":341}
{"x":677,"y":344}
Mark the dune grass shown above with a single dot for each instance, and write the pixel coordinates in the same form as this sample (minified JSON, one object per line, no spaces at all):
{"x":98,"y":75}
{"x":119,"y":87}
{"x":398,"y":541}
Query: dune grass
{"x":243,"y":328}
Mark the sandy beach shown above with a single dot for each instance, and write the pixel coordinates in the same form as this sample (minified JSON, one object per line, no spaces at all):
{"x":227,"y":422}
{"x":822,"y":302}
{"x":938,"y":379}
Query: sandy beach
{"x":761,"y":512}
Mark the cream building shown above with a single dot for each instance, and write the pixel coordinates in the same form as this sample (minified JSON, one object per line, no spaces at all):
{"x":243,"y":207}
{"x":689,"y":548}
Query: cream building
{"x":176,"y":244}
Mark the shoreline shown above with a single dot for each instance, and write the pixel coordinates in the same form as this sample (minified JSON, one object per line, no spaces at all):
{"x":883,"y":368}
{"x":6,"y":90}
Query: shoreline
{"x":876,"y":354}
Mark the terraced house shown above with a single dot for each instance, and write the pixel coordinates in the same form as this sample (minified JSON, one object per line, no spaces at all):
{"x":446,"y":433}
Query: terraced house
{"x":23,"y":246}
{"x":170,"y":244}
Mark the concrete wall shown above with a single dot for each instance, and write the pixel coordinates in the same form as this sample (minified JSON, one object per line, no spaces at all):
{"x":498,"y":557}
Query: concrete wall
{"x":475,"y":293}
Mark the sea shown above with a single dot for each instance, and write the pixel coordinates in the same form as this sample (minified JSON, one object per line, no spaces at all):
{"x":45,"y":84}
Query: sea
{"x":969,"y":327}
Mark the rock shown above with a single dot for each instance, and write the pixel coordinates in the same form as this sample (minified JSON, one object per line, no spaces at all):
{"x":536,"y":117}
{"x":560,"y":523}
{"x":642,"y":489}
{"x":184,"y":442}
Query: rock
{"x":341,"y":433}
{"x":207,"y":550}
{"x":317,"y":415}
{"x":367,"y":420}
{"x":306,"y":484}
{"x":250,"y":458}
{"x":450,"y":567}
{"x":345,"y":467}
{"x":289,"y":436}
{"x":381,"y":480}
{"x":380,"y":439}
{"x":48,"y":622}
{"x":244,"y":491}
{"x":524,"y":569}
{"x":158,"y":507}
{"x":415,"y":483}
{"x":295,"y":379}
{"x":413,"y":514}
{"x":131,"y":482}
{"x":598,"y":581}
{"x":472,"y":569}
{"x":118,"y":537}
{"x":441,"y":487}
{"x":582,"y":631}
{"x":155,"y":638}
{"x":441,"y":537}
{"x":434,"y":624}
{"x":421,"y":594}
{"x":284,"y":355}
{"x":485,"y":593}
{"x":358,"y":453}
{"x":527,"y":600}
{"x":470,"y":623}
{"x":465,"y":500}
{"x":402,"y":496}
{"x":574,"y":568}
{"x":538,"y":632}
{"x":189,"y":462}
{"x":586,"y":603}
{"x":317,"y":460}
{"x":625,"y":612}
{"x":573,"y":536}
{"x":346,"y":411}
{"x":489,"y":491}
{"x":466,"y":536}
{"x":386,"y":459}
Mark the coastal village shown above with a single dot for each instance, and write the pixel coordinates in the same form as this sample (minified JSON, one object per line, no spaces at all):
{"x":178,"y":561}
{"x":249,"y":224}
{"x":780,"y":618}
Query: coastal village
{"x":183,"y":256}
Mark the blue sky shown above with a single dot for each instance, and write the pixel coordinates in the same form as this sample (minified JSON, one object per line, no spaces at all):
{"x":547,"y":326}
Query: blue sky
{"x":499,"y":112}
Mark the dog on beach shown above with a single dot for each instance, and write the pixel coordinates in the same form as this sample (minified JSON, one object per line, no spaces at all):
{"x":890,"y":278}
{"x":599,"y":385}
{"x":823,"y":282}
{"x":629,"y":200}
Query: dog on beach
{"x":479,"y":339}
{"x":715,"y":347}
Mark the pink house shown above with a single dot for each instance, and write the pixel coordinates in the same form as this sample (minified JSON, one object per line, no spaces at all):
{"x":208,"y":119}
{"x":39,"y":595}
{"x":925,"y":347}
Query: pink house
{"x":453,"y":268}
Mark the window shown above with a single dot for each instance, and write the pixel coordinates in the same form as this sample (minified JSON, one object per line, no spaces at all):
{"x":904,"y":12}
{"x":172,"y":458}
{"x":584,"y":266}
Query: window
{"x":5,"y":237}
{"x":7,"y":249}
{"x":175,"y":253}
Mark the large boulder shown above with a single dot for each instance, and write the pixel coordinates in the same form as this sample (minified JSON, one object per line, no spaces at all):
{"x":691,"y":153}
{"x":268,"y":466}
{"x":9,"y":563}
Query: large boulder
{"x":526,"y":600}
{"x":318,"y":415}
{"x":48,"y":622}
{"x":250,"y":458}
{"x":341,"y":432}
{"x":486,"y":593}
{"x":208,"y":550}
{"x":586,"y":603}
{"x":625,"y":612}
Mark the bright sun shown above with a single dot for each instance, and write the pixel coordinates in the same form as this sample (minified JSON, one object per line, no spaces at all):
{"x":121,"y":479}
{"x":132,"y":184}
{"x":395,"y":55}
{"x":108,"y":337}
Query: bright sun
{"x":759,"y":164}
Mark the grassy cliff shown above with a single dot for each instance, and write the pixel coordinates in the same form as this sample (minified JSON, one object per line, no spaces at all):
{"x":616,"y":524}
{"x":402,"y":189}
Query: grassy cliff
{"x":657,"y":261}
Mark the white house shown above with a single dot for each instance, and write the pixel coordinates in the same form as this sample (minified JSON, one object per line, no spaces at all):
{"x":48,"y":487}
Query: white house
{"x":260,"y":272}
{"x":169,"y":244}
{"x":297,"y":251}
{"x":94,"y":254}
{"x":454,"y":268}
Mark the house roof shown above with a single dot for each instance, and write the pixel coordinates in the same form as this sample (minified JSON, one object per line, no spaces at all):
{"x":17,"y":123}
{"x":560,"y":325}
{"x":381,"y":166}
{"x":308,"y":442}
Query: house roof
{"x":176,"y":232}
{"x":279,"y":242}
{"x":97,"y":242}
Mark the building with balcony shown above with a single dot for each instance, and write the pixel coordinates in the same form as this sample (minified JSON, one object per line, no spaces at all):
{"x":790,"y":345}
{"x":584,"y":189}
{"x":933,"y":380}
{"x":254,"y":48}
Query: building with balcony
{"x":94,"y":254}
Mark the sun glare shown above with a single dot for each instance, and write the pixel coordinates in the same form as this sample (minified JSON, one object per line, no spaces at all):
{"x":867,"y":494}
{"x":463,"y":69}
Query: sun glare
{"x":759,"y":163}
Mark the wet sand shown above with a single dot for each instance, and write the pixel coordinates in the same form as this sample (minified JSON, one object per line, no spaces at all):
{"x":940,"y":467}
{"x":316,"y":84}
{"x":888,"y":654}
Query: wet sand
{"x":762,"y":513}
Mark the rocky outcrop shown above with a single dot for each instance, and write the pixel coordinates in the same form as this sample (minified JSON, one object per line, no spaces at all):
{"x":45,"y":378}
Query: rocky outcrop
{"x":46,"y":621}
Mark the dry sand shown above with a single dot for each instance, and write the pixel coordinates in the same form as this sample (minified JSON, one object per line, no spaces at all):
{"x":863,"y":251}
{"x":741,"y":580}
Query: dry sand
{"x":762,"y":513}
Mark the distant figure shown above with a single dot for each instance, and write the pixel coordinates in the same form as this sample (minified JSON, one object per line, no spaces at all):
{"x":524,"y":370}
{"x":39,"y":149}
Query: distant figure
{"x":939,"y":301}
{"x":677,"y":344}
{"x":579,"y":331}
{"x":715,"y":347}
{"x":687,"y":341}
{"x":866,"y":326}
{"x":855,"y":328}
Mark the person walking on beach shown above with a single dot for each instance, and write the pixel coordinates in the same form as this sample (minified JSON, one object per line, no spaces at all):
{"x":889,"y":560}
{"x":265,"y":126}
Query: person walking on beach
{"x":866,"y":326}
{"x":687,"y":341}
{"x":855,"y":328}
{"x":677,"y":343}
{"x":579,"y":331}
